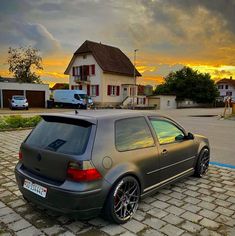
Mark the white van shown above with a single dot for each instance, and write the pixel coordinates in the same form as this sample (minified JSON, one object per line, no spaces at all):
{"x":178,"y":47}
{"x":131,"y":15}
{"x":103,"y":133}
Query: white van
{"x":76,"y":98}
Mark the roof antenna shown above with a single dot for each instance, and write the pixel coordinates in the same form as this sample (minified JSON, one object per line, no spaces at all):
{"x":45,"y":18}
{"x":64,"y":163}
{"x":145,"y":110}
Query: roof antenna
{"x":76,"y":112}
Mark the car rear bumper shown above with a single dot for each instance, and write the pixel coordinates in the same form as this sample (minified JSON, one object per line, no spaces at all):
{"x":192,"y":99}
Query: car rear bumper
{"x":84,"y":205}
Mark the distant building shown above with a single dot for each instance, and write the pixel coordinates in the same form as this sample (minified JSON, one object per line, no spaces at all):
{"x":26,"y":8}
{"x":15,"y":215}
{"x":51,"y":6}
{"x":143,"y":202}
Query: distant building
{"x":36,"y":94}
{"x":60,"y":86}
{"x":105,"y":73}
{"x":226,"y":87}
{"x":162,"y":102}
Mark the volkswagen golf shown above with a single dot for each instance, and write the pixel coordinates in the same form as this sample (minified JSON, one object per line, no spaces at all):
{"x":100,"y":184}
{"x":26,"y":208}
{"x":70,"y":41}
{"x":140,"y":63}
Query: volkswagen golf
{"x":93,"y":162}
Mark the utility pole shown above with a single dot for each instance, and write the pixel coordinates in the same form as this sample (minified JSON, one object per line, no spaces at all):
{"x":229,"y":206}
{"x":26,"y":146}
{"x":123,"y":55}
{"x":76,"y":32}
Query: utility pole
{"x":134,"y":79}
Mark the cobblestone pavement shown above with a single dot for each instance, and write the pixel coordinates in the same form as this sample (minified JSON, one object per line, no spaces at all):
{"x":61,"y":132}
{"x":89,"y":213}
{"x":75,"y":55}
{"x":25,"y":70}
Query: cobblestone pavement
{"x":190,"y":207}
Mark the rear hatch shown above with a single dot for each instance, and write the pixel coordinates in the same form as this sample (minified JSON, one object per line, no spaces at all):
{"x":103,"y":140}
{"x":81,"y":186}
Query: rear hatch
{"x":53,"y":144}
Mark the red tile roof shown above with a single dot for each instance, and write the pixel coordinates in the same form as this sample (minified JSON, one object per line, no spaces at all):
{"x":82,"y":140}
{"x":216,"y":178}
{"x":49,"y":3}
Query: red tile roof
{"x":226,"y":81}
{"x":110,"y":59}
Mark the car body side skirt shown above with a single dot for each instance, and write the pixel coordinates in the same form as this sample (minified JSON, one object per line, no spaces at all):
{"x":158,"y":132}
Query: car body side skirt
{"x":149,"y":190}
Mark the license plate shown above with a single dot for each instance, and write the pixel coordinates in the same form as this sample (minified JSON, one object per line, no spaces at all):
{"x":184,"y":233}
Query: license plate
{"x":35,"y":188}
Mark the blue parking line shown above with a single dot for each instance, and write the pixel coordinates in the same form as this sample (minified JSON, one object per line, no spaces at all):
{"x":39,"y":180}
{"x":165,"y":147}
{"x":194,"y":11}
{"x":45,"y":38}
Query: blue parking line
{"x":222,"y":164}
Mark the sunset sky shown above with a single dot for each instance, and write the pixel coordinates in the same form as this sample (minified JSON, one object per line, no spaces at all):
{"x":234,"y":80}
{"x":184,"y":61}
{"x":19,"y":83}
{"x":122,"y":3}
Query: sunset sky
{"x":168,"y":33}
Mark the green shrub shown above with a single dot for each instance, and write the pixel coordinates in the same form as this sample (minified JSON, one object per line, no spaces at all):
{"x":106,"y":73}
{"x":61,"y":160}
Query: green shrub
{"x":17,"y":121}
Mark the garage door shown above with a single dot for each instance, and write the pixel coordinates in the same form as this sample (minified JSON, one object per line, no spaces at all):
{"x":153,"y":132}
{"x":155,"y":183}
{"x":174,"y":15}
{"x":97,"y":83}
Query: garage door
{"x":7,"y":94}
{"x":36,"y":98}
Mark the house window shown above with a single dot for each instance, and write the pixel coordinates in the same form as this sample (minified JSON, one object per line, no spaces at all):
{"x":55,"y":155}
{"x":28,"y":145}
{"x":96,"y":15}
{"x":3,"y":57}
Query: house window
{"x":84,"y":57}
{"x":168,"y":103}
{"x":141,"y":101}
{"x":226,"y":86}
{"x":94,"y":90}
{"x":132,"y":91}
{"x":113,"y":90}
{"x":221,"y":86}
{"x":76,"y":71}
{"x":229,"y":93}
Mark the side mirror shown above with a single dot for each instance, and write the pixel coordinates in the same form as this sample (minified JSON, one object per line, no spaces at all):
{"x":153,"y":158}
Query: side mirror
{"x":180,"y":137}
{"x":190,"y":136}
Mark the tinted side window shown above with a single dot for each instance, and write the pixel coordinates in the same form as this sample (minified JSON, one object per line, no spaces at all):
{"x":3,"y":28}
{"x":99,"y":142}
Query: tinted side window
{"x":166,"y":131}
{"x":132,"y":133}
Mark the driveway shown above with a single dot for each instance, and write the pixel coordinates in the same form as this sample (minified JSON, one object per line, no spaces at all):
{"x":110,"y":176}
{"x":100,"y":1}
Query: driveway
{"x":190,"y":207}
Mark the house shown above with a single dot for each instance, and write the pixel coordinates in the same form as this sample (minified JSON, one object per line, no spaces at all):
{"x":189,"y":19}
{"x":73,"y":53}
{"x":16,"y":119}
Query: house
{"x":36,"y":94}
{"x":226,"y":87}
{"x":105,"y":73}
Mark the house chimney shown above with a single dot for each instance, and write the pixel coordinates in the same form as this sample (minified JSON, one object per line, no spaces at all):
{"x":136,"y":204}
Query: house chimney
{"x":231,"y":77}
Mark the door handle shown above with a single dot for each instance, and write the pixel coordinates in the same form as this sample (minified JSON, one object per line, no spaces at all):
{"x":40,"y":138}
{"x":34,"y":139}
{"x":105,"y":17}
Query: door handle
{"x":164,"y":152}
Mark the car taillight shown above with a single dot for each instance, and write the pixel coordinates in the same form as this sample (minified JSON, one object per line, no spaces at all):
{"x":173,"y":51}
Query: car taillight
{"x":20,"y":156}
{"x":82,"y":173}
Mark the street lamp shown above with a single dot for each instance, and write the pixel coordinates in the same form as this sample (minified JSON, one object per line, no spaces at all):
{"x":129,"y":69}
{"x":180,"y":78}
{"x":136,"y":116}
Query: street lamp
{"x":135,"y":51}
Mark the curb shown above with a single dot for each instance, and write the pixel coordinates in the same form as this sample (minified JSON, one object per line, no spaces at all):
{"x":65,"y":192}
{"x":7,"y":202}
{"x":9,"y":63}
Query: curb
{"x":222,"y":165}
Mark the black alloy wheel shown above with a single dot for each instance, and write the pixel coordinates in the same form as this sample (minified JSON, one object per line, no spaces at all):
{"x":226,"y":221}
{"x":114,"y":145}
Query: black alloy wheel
{"x":123,"y":200}
{"x":203,"y":163}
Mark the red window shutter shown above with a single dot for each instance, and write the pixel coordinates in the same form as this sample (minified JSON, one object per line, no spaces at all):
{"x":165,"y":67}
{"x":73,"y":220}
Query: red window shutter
{"x":92,"y":69}
{"x":88,"y":90}
{"x":73,"y":73}
{"x":97,"y":90}
{"x":72,"y":87}
{"x":80,"y":87}
{"x":118,"y":91}
{"x":144,"y":100}
{"x":87,"y":70}
{"x":109,"y":90}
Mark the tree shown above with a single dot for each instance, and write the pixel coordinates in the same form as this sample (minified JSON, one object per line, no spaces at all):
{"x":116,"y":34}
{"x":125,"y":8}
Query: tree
{"x":21,"y":63}
{"x":189,"y":84}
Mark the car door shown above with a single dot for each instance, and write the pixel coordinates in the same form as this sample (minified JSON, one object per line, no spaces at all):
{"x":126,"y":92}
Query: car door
{"x":135,"y":142}
{"x":177,"y":152}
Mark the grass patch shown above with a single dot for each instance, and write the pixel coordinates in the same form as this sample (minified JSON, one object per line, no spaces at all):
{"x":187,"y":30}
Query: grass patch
{"x":17,"y":121}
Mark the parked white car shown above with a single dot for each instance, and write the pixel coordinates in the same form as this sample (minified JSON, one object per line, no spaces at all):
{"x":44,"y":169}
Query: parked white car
{"x":19,"y":102}
{"x":76,"y":98}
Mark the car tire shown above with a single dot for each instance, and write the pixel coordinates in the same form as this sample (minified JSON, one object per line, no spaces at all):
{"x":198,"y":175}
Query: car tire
{"x":202,"y":163}
{"x":122,"y":201}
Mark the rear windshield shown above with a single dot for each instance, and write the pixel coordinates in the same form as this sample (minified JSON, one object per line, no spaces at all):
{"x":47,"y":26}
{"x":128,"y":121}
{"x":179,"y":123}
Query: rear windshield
{"x":60,"y":137}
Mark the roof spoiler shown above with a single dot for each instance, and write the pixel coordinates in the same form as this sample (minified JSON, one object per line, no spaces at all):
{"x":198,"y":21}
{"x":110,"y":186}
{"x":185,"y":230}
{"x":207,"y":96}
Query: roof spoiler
{"x":70,"y":119}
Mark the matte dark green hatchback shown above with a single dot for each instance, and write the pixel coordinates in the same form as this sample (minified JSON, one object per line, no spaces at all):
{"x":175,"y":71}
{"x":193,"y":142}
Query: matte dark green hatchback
{"x":105,"y":161}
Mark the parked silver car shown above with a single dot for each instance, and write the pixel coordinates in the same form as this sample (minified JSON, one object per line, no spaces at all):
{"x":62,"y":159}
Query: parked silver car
{"x":19,"y":102}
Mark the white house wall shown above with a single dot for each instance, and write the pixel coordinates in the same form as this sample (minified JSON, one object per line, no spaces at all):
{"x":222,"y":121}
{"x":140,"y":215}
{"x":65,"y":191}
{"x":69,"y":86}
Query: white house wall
{"x":115,"y":80}
{"x":167,"y":102}
{"x":95,"y":79}
{"x":223,"y":91}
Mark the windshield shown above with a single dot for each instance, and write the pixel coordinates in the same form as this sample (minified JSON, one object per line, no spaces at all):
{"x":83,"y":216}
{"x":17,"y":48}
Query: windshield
{"x":83,"y":96}
{"x":68,"y":138}
{"x":19,"y":98}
